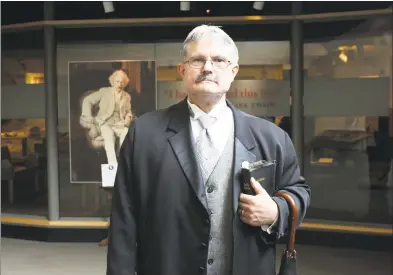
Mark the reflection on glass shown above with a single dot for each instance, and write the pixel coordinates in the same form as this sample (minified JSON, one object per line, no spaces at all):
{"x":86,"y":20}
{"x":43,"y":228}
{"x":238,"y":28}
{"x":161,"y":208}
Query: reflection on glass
{"x":349,"y":169}
{"x":348,"y":157}
{"x":23,"y":159}
{"x":34,"y":78}
{"x":26,"y":67}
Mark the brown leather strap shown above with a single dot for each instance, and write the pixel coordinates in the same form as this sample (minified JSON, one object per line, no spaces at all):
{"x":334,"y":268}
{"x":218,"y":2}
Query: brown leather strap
{"x":293,"y":219}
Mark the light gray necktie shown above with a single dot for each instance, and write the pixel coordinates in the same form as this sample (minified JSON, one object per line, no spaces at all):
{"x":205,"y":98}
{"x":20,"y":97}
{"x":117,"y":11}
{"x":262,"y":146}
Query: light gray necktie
{"x":207,"y":154}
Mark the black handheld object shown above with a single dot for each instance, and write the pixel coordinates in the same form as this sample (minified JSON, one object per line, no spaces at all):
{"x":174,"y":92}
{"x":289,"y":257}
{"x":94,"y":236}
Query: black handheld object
{"x":246,"y":179}
{"x":253,"y":170}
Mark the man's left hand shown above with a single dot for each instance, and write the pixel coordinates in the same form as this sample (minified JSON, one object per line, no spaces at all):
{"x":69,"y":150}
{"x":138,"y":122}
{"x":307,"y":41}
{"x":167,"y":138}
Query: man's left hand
{"x":257,"y":210}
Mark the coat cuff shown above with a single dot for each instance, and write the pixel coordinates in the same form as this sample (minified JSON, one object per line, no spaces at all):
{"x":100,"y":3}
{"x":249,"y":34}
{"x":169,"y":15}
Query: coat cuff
{"x":270,"y":229}
{"x":280,"y":225}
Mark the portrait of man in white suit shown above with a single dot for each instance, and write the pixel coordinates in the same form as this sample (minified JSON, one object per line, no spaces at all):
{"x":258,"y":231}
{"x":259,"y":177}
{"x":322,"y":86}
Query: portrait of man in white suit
{"x":105,"y":98}
{"x":108,"y":125}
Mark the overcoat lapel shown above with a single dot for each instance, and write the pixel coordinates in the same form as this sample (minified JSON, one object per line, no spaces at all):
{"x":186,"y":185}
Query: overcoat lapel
{"x":245,"y":147}
{"x":180,"y":138}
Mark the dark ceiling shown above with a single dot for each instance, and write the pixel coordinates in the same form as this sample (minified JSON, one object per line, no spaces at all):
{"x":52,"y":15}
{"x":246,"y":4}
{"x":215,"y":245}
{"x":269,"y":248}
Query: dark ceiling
{"x":19,"y":12}
{"x":23,"y":11}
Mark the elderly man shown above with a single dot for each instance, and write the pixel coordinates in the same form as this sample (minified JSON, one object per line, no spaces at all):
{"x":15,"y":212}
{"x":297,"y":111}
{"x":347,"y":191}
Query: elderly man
{"x":114,"y":115}
{"x":178,"y":206}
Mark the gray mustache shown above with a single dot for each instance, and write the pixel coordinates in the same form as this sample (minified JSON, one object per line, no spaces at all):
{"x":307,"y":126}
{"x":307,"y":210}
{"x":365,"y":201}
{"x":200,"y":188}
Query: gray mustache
{"x":203,"y":77}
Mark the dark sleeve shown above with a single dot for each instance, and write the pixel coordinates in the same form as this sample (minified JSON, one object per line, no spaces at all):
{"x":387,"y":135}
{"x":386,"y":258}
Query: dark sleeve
{"x":295,"y":185}
{"x":121,"y":257}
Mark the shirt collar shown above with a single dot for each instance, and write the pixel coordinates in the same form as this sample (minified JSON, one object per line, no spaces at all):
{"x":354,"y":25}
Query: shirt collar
{"x":215,"y":112}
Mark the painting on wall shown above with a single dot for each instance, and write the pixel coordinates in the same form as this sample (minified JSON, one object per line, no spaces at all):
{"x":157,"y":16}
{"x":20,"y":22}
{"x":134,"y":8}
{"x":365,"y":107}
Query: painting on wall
{"x":104,"y":99}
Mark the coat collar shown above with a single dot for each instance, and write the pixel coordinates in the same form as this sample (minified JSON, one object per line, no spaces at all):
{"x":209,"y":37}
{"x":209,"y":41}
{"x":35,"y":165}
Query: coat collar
{"x":180,"y":119}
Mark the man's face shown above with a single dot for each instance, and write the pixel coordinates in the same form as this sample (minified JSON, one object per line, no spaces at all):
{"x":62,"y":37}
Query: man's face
{"x":118,"y":83}
{"x":213,"y":77}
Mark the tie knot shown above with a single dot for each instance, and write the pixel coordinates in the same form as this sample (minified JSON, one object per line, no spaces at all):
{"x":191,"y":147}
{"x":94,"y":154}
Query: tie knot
{"x":206,"y":121}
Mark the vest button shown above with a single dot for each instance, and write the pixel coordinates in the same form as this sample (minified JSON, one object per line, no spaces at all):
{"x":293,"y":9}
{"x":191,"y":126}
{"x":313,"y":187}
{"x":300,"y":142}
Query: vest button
{"x":207,"y":221}
{"x":201,"y":269}
{"x":210,"y":261}
{"x":210,"y":189}
{"x":203,"y":245}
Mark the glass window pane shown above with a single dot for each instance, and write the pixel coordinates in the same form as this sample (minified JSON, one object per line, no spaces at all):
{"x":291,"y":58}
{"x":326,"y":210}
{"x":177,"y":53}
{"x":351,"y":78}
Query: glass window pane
{"x":23,"y":143}
{"x":23,"y":166}
{"x":348,"y":124}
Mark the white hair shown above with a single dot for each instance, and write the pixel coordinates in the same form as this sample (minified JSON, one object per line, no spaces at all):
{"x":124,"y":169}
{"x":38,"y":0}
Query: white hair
{"x":119,"y":73}
{"x":211,"y":32}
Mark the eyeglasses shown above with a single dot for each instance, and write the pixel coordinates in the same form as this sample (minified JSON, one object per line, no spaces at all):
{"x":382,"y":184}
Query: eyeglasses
{"x":199,"y":62}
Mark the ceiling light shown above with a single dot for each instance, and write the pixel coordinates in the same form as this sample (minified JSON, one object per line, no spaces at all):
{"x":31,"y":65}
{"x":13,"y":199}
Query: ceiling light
{"x":258,"y":5}
{"x":108,"y":6}
{"x":184,"y":5}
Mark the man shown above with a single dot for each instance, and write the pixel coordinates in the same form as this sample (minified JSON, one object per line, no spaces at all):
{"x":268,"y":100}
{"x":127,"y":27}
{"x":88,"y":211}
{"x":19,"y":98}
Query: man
{"x":114,"y":115}
{"x":177,"y":207}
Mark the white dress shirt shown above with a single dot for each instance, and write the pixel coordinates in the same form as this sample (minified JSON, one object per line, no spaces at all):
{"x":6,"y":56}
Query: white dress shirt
{"x":221,"y":128}
{"x":219,"y":131}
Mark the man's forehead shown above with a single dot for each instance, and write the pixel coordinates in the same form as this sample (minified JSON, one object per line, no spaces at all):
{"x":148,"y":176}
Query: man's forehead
{"x":207,"y":47}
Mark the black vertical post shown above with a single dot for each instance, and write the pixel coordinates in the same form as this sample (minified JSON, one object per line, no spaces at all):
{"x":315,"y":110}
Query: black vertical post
{"x":297,"y":83}
{"x":51,"y":113}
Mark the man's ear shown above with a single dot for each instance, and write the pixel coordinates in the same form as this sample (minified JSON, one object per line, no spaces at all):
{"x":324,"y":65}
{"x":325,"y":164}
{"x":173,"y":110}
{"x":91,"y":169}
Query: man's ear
{"x":180,"y":70}
{"x":235,"y":70}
